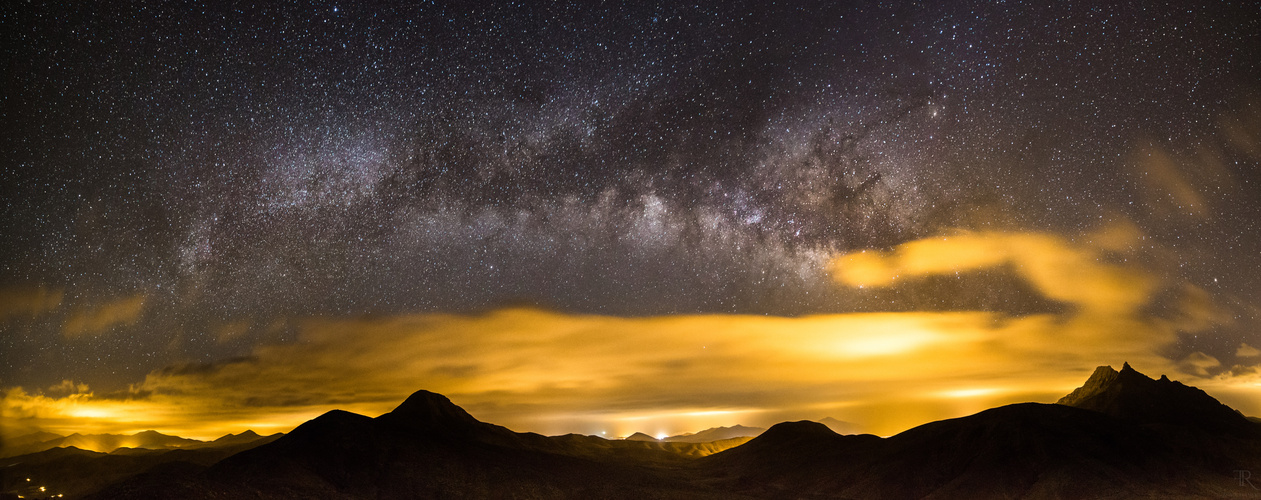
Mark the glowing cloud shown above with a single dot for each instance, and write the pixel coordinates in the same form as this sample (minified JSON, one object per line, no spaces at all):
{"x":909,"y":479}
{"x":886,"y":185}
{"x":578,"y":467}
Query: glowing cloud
{"x":554,"y":373}
{"x":1058,"y":269}
{"x":30,"y":301}
{"x":92,"y":321}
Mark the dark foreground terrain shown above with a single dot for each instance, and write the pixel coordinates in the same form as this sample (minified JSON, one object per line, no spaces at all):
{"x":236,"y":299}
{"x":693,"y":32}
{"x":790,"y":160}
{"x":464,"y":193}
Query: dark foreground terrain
{"x":1121,"y":435}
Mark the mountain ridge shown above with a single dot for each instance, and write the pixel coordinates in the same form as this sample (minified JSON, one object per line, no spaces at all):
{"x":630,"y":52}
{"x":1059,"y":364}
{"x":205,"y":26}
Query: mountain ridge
{"x":1134,"y":397}
{"x":1118,"y":437}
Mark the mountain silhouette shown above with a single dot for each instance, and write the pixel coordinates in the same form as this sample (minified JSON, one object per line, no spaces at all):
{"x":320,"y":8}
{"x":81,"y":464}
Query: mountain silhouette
{"x":104,"y":443}
{"x":428,"y":447}
{"x":639,"y":436}
{"x":1120,"y":435}
{"x":73,"y":472}
{"x":1129,"y":439}
{"x":1133,"y":397}
{"x":431,"y":413}
{"x":715,"y":434}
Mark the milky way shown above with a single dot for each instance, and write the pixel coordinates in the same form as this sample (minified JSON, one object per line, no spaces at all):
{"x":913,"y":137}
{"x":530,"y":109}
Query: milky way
{"x":183,"y":182}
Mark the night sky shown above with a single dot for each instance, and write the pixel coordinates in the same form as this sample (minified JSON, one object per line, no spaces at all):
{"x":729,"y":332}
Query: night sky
{"x":233,"y":197}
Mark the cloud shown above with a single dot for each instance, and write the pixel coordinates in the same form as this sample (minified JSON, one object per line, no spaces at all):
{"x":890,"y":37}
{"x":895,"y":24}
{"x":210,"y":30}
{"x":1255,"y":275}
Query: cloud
{"x":1059,"y":269}
{"x":96,"y":320}
{"x":27,"y":301}
{"x":551,"y":372}
{"x":69,"y":387}
{"x":1167,"y":185}
{"x":554,"y":373}
{"x":232,"y":330}
{"x":1199,"y":364}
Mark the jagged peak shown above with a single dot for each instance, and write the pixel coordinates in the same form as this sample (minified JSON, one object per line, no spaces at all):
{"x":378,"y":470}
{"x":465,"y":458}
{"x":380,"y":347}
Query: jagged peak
{"x":1102,"y":377}
{"x":1131,"y":395}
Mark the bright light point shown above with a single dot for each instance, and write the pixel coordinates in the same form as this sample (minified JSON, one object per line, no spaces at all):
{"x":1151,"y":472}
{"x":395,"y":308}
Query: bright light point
{"x":885,"y":344}
{"x":90,"y":413}
{"x":707,"y":413}
{"x":968,"y":393}
{"x":662,"y":435}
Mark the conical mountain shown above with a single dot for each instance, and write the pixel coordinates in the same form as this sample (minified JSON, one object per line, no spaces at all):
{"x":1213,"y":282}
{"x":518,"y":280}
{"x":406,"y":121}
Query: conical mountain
{"x":1121,"y":435}
{"x":639,"y":436}
{"x":424,"y":407}
{"x":432,"y":413}
{"x":427,"y":447}
{"x":1133,"y":397}
{"x":789,"y":442}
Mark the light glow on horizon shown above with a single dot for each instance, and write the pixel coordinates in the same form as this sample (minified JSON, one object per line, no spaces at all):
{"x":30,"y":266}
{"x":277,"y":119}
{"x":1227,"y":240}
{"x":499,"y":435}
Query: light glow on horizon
{"x":555,"y":373}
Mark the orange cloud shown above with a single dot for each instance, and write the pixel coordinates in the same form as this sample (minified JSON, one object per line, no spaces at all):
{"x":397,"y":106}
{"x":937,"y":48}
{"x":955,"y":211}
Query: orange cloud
{"x":1057,"y":268}
{"x":27,"y":301}
{"x":92,"y":321}
{"x":1168,"y":187}
{"x":233,"y":330}
{"x":549,"y":372}
{"x":554,"y":373}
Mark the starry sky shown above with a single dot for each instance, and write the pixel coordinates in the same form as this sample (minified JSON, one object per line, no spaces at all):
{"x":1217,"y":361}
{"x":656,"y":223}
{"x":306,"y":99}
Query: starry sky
{"x":570,"y":215}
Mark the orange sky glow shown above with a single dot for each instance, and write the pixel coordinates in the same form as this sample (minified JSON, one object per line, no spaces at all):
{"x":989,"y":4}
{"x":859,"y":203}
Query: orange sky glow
{"x":554,"y":373}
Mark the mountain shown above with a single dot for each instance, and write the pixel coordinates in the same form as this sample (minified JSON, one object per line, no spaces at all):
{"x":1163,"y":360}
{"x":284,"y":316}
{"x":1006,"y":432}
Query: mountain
{"x":1133,"y":397}
{"x":1128,"y":440}
{"x":73,"y":472}
{"x":840,"y":426}
{"x":427,"y":447}
{"x":248,"y":436}
{"x":639,"y":436}
{"x":1121,"y":435}
{"x":716,"y":434}
{"x":104,"y":443}
{"x":32,"y":438}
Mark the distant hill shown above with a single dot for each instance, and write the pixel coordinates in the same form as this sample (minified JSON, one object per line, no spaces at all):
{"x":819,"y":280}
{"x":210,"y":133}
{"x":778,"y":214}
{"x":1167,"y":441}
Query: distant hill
{"x":427,"y":447}
{"x":1121,"y":435}
{"x":841,"y":426}
{"x":639,"y":436}
{"x":73,"y":472}
{"x":716,"y":434}
{"x":104,"y":443}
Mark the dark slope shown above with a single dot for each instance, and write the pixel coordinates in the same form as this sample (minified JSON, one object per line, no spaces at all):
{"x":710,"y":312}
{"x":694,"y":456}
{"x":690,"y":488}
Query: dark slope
{"x":788,"y":459}
{"x":1015,"y":451}
{"x":425,"y":448}
{"x":1026,"y":450}
{"x":73,"y":472}
{"x":1133,"y":437}
{"x":1148,"y":446}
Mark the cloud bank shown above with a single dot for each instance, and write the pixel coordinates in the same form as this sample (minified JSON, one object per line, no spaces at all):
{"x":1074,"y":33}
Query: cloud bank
{"x":552,"y":372}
